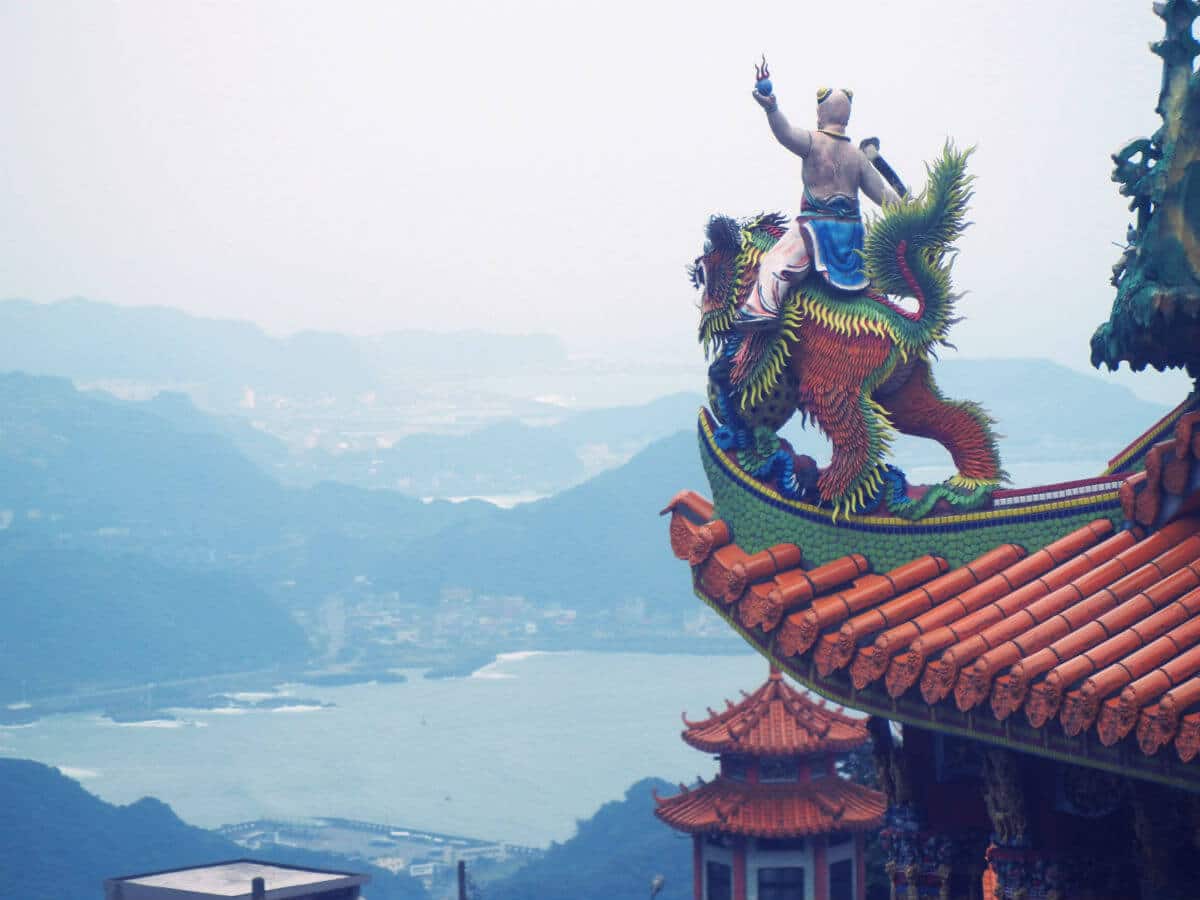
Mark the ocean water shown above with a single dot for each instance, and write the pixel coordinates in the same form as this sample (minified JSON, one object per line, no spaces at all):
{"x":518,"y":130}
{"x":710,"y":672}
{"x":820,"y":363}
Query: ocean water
{"x":518,"y":751}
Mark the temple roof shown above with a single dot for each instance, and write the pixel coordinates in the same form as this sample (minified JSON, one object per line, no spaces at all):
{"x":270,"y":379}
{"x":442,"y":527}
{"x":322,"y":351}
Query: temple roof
{"x":1087,"y":647}
{"x":1169,"y":484}
{"x":776,"y":720}
{"x":773,"y":810}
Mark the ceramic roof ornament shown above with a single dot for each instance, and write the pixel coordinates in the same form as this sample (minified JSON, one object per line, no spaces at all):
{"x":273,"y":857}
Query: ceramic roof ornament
{"x":1155,"y":319}
{"x":818,"y":314}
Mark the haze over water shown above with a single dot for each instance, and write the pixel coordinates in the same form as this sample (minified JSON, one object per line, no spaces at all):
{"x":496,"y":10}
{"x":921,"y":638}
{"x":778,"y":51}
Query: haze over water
{"x":517,"y":752}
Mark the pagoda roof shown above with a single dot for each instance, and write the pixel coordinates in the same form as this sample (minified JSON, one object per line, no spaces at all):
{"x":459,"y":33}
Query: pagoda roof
{"x":776,"y":720}
{"x":1076,"y":636}
{"x":773,"y":810}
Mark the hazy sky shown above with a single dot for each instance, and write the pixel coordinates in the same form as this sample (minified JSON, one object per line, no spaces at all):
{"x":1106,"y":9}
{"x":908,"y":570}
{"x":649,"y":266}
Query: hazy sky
{"x":366,"y":166}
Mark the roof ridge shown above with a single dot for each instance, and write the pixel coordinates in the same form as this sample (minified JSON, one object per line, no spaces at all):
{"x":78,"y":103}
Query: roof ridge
{"x":802,"y":726}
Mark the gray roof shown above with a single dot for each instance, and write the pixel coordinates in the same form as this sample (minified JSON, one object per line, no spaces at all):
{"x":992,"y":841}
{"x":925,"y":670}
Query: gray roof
{"x":230,"y":879}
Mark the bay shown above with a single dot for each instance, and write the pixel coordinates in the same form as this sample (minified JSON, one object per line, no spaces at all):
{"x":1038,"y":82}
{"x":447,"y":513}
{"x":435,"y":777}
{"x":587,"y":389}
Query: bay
{"x":517,"y":752}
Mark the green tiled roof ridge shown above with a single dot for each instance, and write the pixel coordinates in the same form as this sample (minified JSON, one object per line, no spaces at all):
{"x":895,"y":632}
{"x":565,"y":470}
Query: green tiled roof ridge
{"x":759,"y":519}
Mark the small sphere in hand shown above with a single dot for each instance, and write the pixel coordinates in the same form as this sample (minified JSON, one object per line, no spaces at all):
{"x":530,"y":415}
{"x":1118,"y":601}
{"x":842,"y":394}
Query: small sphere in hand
{"x":763,"y":86}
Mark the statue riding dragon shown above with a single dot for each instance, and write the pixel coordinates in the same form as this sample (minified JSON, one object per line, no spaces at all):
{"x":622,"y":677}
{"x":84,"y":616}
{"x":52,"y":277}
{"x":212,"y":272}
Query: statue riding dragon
{"x":808,"y":315}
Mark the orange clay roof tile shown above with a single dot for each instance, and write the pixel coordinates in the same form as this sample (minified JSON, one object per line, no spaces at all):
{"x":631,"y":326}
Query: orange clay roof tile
{"x":974,"y":685}
{"x":801,"y":629}
{"x":1169,"y":474}
{"x":835,"y":650}
{"x":790,"y":594}
{"x":938,"y":677}
{"x":1187,"y":741}
{"x":714,"y":571}
{"x":1159,"y":724}
{"x":1081,"y":707}
{"x":776,"y":720}
{"x":1126,"y":622}
{"x":691,"y":526}
{"x":773,"y":810}
{"x":1099,"y":629}
{"x":1045,"y":619}
{"x":760,"y":566}
{"x":1119,"y":715}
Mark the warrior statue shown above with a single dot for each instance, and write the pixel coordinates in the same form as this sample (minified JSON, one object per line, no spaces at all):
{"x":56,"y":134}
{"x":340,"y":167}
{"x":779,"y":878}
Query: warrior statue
{"x":828,"y":233}
{"x":802,"y":314}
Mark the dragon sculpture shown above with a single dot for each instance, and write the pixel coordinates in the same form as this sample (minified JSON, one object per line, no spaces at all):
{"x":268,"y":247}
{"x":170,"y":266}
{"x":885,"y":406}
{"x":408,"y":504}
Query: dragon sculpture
{"x":855,"y":364}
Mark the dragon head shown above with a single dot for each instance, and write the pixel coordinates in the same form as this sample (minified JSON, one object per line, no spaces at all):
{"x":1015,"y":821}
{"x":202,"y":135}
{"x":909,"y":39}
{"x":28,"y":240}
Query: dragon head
{"x":727,"y":265}
{"x":714,"y":269}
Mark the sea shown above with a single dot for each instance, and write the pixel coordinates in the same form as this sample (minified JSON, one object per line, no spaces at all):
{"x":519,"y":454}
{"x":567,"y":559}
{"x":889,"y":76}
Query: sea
{"x":518,"y":751}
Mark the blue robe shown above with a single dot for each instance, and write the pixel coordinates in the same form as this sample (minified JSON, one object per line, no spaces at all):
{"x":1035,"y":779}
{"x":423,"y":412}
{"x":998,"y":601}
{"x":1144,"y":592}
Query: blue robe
{"x":835,"y":232}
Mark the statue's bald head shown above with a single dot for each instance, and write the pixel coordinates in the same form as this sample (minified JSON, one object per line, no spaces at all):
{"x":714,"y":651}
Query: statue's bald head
{"x":833,"y":107}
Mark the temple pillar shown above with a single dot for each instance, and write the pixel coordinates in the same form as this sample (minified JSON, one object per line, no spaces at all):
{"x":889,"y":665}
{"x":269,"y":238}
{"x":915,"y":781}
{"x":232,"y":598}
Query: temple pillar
{"x":1019,"y":867}
{"x":820,"y":870}
{"x":739,"y":868}
{"x":1004,"y":796}
{"x":697,"y":867}
{"x":935,"y":827}
{"x":860,"y":867}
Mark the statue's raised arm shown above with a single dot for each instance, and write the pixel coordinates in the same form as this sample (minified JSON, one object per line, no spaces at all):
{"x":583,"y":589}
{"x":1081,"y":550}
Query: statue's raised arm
{"x":795,"y":139}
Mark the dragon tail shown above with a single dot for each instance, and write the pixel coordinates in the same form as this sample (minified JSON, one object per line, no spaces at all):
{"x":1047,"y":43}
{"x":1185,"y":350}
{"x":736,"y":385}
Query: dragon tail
{"x":908,"y":249}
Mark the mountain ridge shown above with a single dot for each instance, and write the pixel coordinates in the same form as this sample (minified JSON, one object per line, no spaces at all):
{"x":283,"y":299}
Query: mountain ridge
{"x":61,"y":842}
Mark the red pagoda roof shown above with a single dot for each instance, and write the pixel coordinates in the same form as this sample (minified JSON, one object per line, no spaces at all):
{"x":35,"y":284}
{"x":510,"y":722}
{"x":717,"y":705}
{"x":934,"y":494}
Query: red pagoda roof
{"x":776,"y":720}
{"x":1094,"y":639}
{"x":773,"y":810}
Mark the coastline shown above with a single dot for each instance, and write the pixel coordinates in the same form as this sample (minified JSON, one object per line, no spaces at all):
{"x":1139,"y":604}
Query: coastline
{"x":420,"y":753}
{"x":276,"y":689}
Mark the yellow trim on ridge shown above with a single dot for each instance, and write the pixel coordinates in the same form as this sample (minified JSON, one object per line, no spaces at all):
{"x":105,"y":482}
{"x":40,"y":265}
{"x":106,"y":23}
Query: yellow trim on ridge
{"x":997,"y":515}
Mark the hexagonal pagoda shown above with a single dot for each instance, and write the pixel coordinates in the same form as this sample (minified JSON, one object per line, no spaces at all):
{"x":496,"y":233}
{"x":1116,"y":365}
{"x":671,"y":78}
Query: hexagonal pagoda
{"x":777,"y":822}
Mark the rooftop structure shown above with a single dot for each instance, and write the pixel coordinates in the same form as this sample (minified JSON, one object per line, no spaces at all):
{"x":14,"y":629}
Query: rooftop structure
{"x":1040,"y":645}
{"x":778,"y":814}
{"x":776,"y":720}
{"x":237,"y":878}
{"x":1096,"y":632}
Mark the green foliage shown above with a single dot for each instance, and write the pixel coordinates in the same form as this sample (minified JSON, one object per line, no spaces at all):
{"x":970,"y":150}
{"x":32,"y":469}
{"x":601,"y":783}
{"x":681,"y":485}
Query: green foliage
{"x":612,"y":856}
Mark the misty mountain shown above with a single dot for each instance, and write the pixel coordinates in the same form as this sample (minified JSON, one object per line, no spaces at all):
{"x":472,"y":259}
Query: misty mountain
{"x":140,"y":542}
{"x":594,"y":546}
{"x":60,"y":842}
{"x":85,"y":468}
{"x":90,"y":472}
{"x":614,"y":855}
{"x":78,"y":618}
{"x":1044,"y":413}
{"x":89,"y":341}
{"x":139,"y":546}
{"x":508,"y":457}
{"x":453,"y":415}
